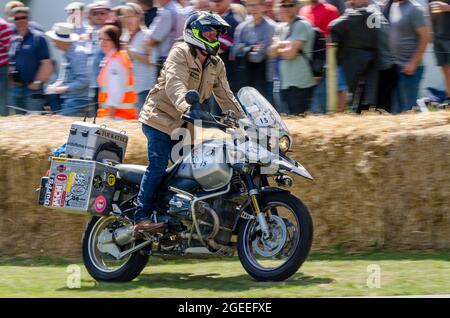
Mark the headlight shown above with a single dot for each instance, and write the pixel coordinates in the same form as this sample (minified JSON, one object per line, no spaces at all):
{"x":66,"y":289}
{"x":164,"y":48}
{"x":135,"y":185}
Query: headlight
{"x":285,"y":144}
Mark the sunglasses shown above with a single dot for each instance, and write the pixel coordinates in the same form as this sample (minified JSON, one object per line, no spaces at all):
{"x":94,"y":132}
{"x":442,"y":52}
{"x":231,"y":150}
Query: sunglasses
{"x":20,"y":18}
{"x":95,"y":14}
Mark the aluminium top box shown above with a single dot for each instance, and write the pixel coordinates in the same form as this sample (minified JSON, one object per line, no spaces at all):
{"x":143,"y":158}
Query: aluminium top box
{"x":79,"y":186}
{"x":95,"y":142}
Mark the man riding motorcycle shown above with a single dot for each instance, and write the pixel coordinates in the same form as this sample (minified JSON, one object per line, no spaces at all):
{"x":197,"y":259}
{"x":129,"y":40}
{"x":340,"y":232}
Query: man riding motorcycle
{"x":191,"y":65}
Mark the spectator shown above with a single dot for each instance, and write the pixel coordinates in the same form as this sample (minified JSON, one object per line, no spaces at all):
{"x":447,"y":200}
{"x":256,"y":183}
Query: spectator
{"x":320,"y":15}
{"x":184,"y":10}
{"x":269,"y":9}
{"x":358,"y":47}
{"x":440,"y":17}
{"x":183,"y":3}
{"x":52,"y":101}
{"x":5,"y":42}
{"x":239,"y":9}
{"x":136,"y":34}
{"x":10,"y":6}
{"x":387,"y":69}
{"x":31,"y":63}
{"x":98,"y":14}
{"x":72,"y":83}
{"x":116,"y":15}
{"x":163,"y":33}
{"x":75,"y":12}
{"x":150,"y":11}
{"x":297,"y":82}
{"x":223,"y":8}
{"x":252,"y":40}
{"x":338,"y":4}
{"x":409,"y":37}
{"x":117,"y":96}
{"x":201,"y":5}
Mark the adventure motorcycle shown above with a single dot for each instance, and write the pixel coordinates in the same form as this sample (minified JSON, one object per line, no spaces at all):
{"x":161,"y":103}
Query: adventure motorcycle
{"x":216,"y":200}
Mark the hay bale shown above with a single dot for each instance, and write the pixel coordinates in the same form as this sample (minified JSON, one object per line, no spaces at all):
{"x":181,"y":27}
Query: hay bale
{"x":380,"y":182}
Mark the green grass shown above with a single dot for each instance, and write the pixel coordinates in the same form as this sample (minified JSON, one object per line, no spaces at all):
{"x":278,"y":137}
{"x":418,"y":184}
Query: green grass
{"x":323,"y":275}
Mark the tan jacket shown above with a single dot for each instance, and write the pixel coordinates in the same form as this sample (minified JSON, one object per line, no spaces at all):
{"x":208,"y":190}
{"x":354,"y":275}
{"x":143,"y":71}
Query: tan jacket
{"x":181,"y":73}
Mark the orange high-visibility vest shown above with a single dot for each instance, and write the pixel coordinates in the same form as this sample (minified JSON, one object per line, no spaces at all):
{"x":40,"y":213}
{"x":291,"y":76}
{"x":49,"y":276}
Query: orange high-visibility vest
{"x":127,"y":109}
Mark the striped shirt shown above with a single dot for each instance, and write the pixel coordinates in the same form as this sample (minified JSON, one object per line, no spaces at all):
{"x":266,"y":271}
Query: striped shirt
{"x":5,"y":42}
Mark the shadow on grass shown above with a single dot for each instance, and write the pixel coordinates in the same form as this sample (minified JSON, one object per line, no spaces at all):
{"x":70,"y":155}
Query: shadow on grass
{"x":212,"y":282}
{"x":441,"y":255}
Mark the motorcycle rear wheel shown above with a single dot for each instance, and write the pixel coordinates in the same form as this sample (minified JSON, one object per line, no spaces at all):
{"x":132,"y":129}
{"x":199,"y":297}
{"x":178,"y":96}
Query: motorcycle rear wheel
{"x":126,"y":271}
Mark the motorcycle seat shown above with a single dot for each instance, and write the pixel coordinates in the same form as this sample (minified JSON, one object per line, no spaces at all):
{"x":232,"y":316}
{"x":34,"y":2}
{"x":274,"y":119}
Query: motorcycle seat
{"x":133,"y":174}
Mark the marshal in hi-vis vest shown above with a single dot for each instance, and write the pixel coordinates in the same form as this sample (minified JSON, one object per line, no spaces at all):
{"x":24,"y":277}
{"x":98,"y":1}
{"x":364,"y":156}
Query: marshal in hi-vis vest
{"x":126,"y":110}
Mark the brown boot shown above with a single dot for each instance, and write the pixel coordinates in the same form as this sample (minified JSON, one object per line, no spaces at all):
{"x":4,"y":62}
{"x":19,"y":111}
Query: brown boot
{"x":149,"y":227}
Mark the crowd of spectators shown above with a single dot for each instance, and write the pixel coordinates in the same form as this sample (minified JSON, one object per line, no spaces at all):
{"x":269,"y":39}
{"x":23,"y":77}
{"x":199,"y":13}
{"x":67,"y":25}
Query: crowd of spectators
{"x":112,"y":56}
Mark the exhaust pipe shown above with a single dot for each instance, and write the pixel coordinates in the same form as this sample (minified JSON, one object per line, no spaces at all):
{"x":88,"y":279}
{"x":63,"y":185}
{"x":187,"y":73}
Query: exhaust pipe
{"x":123,"y":236}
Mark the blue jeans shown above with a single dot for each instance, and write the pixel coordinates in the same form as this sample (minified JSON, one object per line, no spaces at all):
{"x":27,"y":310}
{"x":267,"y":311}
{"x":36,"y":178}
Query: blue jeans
{"x":4,"y":111}
{"x":159,"y":149}
{"x":54,"y":101}
{"x":319,"y":100}
{"x":407,"y":91}
{"x":23,"y":97}
{"x":74,"y":107}
{"x":269,"y":92}
{"x":142,"y":96}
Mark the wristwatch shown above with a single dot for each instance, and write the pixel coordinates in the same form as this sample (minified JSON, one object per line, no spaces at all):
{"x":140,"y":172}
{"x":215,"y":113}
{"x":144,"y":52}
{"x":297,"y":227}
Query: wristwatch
{"x":37,"y":83}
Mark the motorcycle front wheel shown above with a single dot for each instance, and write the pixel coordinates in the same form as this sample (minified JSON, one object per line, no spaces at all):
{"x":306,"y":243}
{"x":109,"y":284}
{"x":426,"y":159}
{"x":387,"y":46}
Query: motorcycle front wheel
{"x":100,"y":264}
{"x":279,"y":256}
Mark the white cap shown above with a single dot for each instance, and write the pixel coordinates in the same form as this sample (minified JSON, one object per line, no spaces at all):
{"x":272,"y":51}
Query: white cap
{"x":75,"y":6}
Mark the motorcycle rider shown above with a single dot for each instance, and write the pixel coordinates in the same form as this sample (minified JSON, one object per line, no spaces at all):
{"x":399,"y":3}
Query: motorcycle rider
{"x":191,"y":65}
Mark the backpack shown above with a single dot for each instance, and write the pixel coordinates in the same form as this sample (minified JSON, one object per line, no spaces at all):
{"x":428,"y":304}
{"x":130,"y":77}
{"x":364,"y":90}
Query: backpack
{"x":319,"y":55}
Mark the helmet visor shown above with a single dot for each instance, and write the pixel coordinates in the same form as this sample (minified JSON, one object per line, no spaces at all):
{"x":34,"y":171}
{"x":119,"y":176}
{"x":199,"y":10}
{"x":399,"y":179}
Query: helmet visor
{"x":208,"y":35}
{"x":211,"y":34}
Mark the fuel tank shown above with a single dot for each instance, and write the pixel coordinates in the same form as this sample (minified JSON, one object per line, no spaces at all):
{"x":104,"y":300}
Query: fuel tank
{"x":207,"y":165}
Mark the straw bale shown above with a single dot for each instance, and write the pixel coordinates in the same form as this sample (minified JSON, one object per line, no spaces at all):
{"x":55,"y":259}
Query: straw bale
{"x":381,"y":182}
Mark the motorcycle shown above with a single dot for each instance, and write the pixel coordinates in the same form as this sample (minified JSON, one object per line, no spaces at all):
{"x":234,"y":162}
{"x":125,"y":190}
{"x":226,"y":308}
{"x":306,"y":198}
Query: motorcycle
{"x":215,"y":200}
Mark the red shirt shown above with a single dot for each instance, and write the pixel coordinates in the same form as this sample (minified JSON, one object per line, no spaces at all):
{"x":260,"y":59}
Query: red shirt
{"x":5,"y":41}
{"x":320,"y":15}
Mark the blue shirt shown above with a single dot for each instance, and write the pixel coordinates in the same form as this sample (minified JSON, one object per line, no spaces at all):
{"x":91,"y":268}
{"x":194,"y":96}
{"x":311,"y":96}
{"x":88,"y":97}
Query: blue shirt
{"x":150,"y":15}
{"x":73,"y":73}
{"x":27,"y":54}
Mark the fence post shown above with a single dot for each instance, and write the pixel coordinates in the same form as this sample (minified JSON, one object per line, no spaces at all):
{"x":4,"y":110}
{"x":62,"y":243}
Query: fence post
{"x":331,"y":77}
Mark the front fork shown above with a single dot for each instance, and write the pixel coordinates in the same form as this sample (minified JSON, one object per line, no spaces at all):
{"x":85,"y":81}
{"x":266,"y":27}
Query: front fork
{"x":253,"y":193}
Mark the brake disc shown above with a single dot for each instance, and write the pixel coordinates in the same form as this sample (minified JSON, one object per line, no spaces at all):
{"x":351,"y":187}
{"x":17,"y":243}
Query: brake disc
{"x":278,"y":234}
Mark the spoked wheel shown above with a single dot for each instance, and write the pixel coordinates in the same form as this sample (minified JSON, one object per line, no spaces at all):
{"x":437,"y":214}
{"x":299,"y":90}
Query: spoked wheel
{"x":281,"y":254}
{"x":99,"y":249}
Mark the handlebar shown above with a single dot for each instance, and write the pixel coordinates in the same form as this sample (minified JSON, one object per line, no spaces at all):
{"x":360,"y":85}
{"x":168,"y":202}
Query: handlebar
{"x":197,"y":113}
